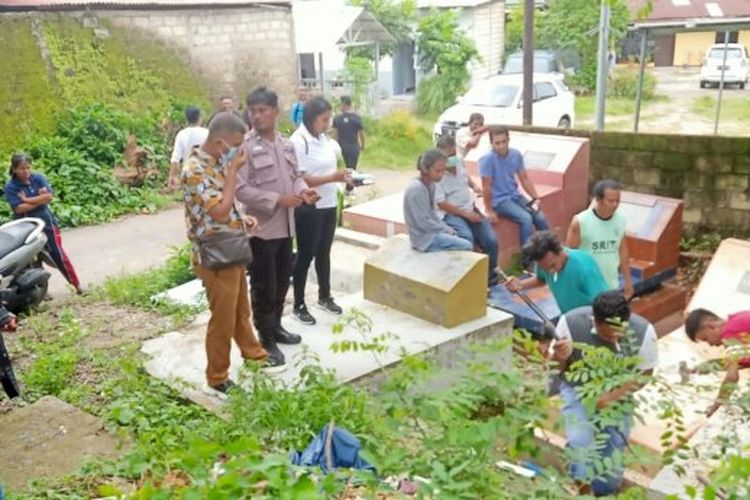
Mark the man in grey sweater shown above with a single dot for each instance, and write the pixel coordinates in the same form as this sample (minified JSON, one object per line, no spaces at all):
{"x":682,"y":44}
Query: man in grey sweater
{"x":427,"y":231}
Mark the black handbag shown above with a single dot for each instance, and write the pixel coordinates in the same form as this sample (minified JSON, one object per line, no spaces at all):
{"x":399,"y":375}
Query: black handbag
{"x":225,"y":249}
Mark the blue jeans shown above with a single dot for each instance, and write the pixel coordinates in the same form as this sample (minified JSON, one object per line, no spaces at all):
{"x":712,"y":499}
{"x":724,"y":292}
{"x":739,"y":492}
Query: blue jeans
{"x":445,"y":241}
{"x":514,"y":209}
{"x":477,"y":232}
{"x":583,"y":446}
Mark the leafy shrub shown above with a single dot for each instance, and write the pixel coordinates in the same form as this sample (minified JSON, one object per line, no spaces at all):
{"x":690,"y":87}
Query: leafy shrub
{"x":624,"y":83}
{"x":78,"y":160}
{"x":437,"y":93}
{"x":395,"y":141}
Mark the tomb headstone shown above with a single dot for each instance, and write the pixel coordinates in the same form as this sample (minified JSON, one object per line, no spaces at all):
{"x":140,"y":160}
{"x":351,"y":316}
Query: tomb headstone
{"x":446,"y":288}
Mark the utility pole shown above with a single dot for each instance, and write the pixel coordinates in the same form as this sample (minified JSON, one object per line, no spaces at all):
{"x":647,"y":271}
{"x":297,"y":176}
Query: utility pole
{"x":528,"y":61}
{"x":602,"y":68}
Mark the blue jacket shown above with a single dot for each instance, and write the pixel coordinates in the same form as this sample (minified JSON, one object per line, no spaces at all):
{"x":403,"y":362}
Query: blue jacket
{"x":14,"y":188}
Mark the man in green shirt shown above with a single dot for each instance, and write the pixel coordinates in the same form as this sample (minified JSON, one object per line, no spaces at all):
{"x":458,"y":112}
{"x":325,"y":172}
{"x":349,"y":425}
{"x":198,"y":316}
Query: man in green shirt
{"x":572,"y":276}
{"x":600,"y":232}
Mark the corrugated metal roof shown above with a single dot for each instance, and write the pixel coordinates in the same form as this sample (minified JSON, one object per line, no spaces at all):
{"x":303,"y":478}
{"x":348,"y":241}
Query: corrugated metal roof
{"x":320,"y":25}
{"x":686,"y":10}
{"x":26,"y":5}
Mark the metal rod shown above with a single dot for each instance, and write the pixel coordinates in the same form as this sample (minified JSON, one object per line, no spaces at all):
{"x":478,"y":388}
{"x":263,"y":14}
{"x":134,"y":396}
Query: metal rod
{"x":639,"y":90}
{"x":602,"y":68}
{"x":721,"y":82}
{"x":528,"y":61}
{"x":548,"y":326}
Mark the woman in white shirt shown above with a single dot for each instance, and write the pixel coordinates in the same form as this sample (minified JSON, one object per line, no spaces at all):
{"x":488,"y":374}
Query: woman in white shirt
{"x":317,"y":158}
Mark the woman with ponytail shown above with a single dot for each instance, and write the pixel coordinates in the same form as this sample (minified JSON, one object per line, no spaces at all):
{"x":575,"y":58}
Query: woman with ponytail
{"x":427,"y":231}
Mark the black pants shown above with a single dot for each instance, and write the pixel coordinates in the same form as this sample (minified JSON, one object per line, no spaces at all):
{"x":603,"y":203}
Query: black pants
{"x":269,"y":280}
{"x":315,"y":229}
{"x":350,"y":153}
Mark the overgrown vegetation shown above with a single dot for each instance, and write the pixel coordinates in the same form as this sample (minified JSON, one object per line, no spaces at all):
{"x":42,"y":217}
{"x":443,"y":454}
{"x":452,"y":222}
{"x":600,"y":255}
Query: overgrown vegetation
{"x":571,"y":26}
{"x":126,"y":69}
{"x":395,"y":141}
{"x":79,"y":158}
{"x":443,"y":429}
{"x":624,"y":84}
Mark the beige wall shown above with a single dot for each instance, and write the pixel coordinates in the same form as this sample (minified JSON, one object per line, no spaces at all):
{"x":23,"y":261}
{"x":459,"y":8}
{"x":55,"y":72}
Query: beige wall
{"x":690,"y":48}
{"x":488,"y":34}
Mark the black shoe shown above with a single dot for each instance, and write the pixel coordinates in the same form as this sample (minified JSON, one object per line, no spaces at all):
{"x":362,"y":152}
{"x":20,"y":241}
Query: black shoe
{"x":274,"y":356}
{"x":282,"y":336}
{"x":224,"y":386}
{"x":330,"y":306}
{"x":274,"y":361}
{"x":303,"y":316}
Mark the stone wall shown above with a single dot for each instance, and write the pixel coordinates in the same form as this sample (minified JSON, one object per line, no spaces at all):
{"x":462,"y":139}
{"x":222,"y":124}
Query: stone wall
{"x":231,"y":49}
{"x":710,"y":173}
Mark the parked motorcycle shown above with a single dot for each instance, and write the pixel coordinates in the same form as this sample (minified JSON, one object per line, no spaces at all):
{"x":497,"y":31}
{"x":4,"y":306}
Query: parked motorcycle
{"x":23,"y":281}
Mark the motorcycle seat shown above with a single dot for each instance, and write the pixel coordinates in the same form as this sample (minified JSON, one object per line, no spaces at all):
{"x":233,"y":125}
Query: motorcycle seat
{"x":13,"y":237}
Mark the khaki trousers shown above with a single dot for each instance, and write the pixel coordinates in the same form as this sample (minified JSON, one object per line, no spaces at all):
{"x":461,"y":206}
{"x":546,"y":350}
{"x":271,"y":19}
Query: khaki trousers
{"x":226,"y":290}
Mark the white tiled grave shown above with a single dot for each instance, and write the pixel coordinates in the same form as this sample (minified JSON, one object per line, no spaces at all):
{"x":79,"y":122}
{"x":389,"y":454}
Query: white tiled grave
{"x":179,"y":358}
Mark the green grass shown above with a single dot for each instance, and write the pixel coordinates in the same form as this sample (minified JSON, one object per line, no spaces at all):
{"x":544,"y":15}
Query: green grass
{"x":735,"y":108}
{"x":615,"y":106}
{"x":138,"y":289}
{"x":396,"y":141}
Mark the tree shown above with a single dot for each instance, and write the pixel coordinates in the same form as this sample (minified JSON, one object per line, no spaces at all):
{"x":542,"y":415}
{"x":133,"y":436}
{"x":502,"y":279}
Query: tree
{"x":573,"y":25}
{"x":397,"y":17}
{"x":445,"y":49}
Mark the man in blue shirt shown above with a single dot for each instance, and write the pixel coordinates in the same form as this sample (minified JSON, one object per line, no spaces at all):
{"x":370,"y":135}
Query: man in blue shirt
{"x":572,"y":276}
{"x":499,"y":169}
{"x":297,"y":113}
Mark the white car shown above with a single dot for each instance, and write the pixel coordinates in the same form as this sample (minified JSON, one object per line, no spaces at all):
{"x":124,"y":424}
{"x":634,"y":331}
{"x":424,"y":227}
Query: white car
{"x":736,"y":70}
{"x":499,"y":99}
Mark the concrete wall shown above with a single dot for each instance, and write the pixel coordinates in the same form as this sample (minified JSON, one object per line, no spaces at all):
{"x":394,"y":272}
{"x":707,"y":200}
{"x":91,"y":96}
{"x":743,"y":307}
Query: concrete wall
{"x":488,"y":32}
{"x":232,"y":49}
{"x":744,"y":38}
{"x":711,"y":174}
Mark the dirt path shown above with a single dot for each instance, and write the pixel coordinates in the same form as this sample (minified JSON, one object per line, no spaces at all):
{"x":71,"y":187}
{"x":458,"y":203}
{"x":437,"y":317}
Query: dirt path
{"x":138,"y":242}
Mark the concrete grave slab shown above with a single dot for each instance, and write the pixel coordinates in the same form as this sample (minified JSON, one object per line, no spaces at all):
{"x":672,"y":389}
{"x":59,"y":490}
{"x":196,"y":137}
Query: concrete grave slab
{"x":725,"y":287}
{"x":47,"y":439}
{"x":446,"y":288}
{"x":179,"y":358}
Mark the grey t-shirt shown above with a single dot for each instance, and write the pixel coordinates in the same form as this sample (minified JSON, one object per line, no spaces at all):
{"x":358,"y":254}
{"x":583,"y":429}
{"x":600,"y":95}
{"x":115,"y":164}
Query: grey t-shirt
{"x":421,"y":219}
{"x":578,"y":325}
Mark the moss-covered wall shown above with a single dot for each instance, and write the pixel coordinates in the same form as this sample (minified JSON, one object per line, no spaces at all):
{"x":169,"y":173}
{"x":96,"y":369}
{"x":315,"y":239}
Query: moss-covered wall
{"x":51,"y":61}
{"x":711,"y":174}
{"x":27,"y":96}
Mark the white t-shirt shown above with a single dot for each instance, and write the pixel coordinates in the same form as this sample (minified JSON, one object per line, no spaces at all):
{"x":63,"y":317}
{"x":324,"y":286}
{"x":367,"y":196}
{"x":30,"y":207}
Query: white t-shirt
{"x":317,"y":157}
{"x":185,"y":141}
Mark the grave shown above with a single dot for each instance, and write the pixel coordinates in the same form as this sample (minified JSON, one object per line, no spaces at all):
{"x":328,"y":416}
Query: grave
{"x":559,"y":167}
{"x":722,"y":290}
{"x":449,"y":278}
{"x":446,"y":288}
{"x":47,"y":439}
{"x":653,"y":239}
{"x":179,"y":358}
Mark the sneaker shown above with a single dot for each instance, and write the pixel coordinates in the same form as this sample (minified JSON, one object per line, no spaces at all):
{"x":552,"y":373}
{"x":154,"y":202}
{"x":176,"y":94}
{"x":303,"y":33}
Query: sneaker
{"x":274,"y":359}
{"x":330,"y":306}
{"x":282,"y":336}
{"x":224,"y":386}
{"x":303,"y":316}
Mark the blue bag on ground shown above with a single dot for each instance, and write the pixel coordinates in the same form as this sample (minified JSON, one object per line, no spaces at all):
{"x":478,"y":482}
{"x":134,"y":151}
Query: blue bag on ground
{"x":344,"y":451}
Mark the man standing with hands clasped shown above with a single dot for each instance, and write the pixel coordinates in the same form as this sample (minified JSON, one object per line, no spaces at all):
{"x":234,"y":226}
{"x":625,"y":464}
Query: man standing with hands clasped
{"x":271,"y":187}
